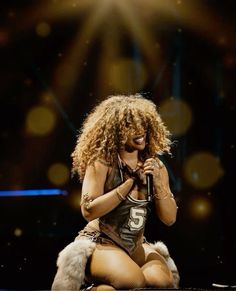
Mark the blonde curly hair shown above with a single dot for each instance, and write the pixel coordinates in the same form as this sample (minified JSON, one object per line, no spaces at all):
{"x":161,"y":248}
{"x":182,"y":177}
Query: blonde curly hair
{"x":107,"y":128}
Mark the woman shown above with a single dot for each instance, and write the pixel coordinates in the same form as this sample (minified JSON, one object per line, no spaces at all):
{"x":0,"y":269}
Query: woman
{"x":116,"y":150}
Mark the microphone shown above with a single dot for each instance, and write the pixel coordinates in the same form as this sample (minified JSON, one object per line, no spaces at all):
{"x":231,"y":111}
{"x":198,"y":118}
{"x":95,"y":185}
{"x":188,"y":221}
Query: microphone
{"x":149,"y":181}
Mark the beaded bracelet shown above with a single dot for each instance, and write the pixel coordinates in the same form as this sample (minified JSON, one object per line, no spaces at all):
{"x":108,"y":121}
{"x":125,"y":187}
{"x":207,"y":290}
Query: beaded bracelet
{"x":164,"y":197}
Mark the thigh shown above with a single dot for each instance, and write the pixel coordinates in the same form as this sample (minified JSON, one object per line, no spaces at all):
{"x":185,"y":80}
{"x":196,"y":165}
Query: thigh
{"x":110,"y":265}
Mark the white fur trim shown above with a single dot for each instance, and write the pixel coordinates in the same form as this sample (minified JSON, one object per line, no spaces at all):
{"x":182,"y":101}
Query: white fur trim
{"x":71,"y":265}
{"x":162,"y":249}
{"x":72,"y":261}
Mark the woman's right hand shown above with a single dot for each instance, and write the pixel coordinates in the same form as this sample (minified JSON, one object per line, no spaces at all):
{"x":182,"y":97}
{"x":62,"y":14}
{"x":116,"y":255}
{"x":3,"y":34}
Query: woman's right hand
{"x":125,"y":188}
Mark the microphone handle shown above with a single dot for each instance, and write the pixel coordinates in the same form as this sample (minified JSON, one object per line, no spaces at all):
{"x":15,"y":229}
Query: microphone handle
{"x":149,"y":180}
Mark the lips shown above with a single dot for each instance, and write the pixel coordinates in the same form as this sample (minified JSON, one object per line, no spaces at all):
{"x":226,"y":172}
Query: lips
{"x":139,"y":140}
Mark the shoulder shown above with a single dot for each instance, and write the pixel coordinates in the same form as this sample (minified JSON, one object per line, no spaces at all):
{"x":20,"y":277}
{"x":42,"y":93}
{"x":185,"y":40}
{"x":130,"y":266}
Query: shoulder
{"x":99,"y":167}
{"x":160,"y":163}
{"x":103,"y":162}
{"x":162,"y":166}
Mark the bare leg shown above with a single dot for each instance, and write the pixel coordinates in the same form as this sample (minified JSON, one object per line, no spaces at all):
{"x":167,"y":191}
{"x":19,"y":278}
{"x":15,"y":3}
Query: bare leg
{"x":103,"y":287}
{"x":110,"y":265}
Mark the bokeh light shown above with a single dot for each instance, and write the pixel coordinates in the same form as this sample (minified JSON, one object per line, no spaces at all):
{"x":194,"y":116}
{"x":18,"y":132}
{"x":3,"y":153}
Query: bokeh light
{"x":202,"y":170}
{"x":74,"y":199}
{"x":4,"y":37}
{"x":200,"y":208}
{"x":58,"y":174}
{"x":18,"y":232}
{"x":177,"y":115}
{"x":43,"y":29}
{"x":127,"y":75}
{"x":40,"y":120}
{"x":47,"y":97}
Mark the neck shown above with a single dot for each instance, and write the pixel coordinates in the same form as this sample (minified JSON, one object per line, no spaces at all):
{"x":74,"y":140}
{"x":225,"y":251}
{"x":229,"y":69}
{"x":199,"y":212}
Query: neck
{"x":129,"y":157}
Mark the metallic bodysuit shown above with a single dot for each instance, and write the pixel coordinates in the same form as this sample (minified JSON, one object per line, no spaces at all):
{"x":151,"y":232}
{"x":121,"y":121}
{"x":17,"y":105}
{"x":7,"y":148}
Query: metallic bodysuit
{"x":125,"y":224}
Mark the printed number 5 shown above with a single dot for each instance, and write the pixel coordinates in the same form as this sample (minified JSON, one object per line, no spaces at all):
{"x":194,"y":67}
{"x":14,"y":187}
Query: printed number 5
{"x":136,"y":220}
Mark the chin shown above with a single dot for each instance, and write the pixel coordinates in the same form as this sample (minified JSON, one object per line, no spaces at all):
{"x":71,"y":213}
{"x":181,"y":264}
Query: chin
{"x":140,"y":147}
{"x":132,"y":148}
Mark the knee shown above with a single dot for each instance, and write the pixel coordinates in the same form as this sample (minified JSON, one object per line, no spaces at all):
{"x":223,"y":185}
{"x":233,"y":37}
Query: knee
{"x":129,"y":281}
{"x":164,"y":281}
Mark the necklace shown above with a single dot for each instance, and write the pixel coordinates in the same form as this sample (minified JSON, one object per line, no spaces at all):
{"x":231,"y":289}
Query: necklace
{"x":131,"y":169}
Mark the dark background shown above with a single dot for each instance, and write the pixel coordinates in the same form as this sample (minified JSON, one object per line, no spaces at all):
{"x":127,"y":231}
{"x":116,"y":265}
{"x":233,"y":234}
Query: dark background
{"x":66,"y":56}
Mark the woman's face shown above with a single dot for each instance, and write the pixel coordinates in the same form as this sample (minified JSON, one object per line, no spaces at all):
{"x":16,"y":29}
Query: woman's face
{"x":136,"y":141}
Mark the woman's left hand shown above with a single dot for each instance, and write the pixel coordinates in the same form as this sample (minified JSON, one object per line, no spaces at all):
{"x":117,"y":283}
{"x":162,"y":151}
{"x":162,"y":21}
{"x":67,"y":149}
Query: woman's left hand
{"x":152,"y":166}
{"x":159,"y":172}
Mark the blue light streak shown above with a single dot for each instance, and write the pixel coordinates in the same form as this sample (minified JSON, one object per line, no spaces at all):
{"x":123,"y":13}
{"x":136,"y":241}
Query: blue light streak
{"x":33,"y":192}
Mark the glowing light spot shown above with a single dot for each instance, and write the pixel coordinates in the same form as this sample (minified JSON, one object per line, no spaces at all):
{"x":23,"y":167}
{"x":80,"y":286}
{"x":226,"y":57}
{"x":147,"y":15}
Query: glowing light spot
{"x":11,"y":14}
{"x":58,"y":174}
{"x":200,"y":208}
{"x":202,"y":170}
{"x":43,"y":29}
{"x":47,"y":97}
{"x":28,"y":82}
{"x":4,"y":37}
{"x":74,"y":199}
{"x":40,"y":121}
{"x":18,"y":232}
{"x":127,"y":75}
{"x":177,"y":115}
{"x":222,"y":40}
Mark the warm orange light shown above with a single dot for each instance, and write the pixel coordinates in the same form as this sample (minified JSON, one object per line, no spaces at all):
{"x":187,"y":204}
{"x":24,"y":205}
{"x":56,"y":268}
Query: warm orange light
{"x":40,"y":120}
{"x":202,"y":170}
{"x":177,"y":115}
{"x":18,"y":232}
{"x":74,"y":199}
{"x":58,"y":174}
{"x":200,"y":208}
{"x":43,"y":29}
{"x":126,"y":75}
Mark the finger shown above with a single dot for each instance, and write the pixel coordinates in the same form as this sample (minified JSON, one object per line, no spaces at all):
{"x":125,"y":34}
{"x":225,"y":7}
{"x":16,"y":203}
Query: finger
{"x":148,"y":172}
{"x":149,"y":167}
{"x":149,"y":161}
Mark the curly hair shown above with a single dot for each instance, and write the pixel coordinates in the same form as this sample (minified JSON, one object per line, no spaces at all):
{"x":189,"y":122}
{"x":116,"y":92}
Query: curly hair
{"x":108,"y":126}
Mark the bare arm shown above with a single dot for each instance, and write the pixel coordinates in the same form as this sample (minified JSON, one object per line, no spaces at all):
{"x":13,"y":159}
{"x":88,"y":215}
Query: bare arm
{"x":94,"y":203}
{"x":165,"y":204}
